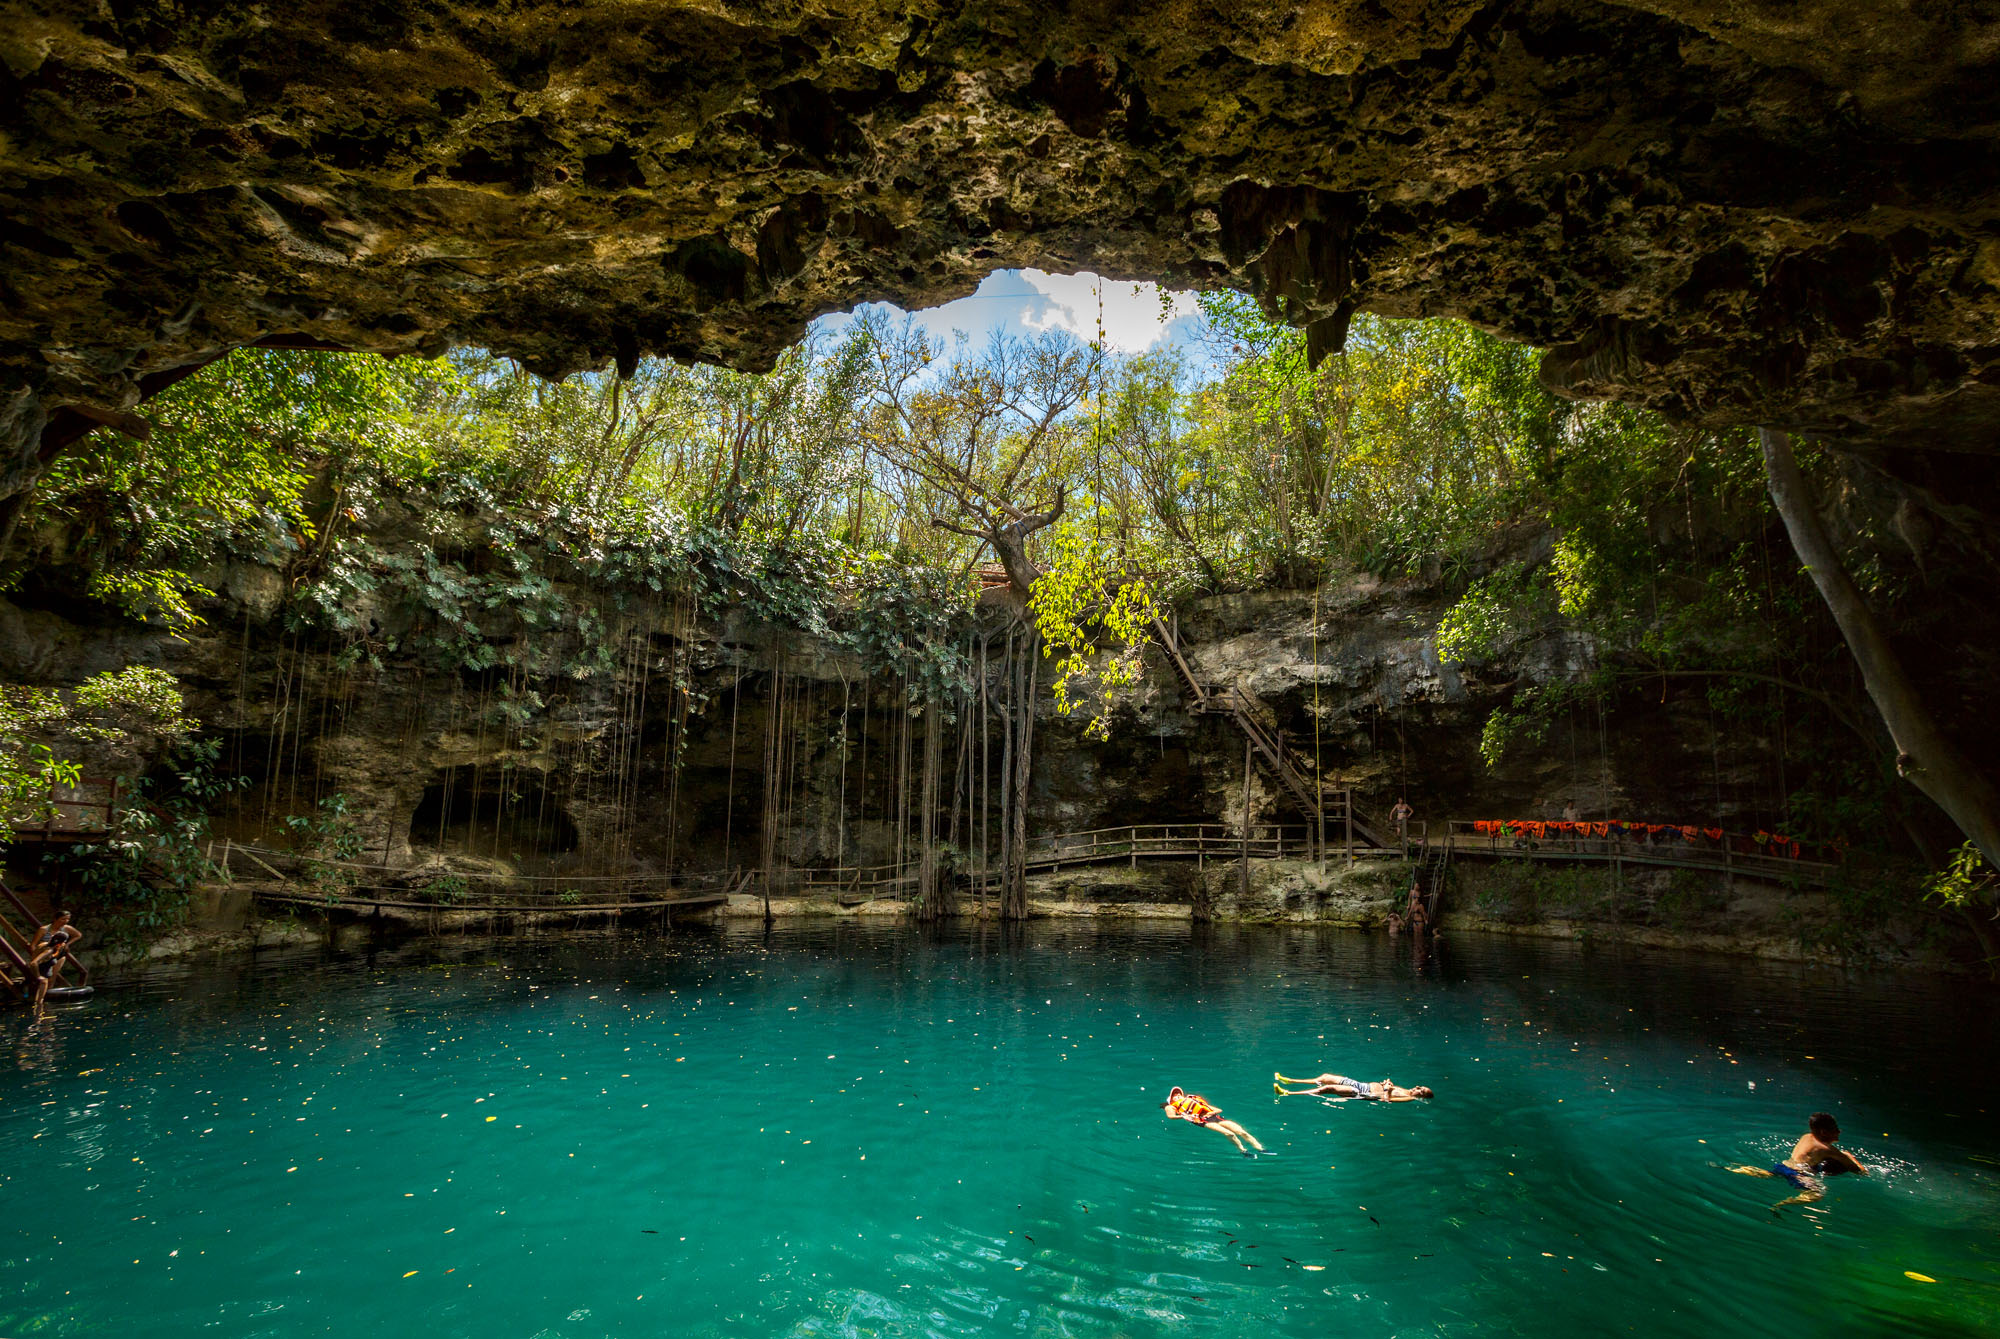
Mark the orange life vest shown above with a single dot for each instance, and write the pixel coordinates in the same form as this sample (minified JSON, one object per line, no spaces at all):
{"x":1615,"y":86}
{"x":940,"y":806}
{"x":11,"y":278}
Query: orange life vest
{"x":1192,"y":1107}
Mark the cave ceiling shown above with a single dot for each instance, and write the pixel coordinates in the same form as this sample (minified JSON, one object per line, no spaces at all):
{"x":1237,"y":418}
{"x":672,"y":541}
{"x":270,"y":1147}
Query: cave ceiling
{"x":1748,"y":212}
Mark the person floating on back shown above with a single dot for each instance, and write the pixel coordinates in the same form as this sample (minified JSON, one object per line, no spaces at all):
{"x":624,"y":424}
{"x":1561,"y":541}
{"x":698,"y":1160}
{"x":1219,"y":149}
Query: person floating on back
{"x":1813,"y":1158}
{"x":1197,"y":1109}
{"x":47,"y":948}
{"x":1336,"y":1085}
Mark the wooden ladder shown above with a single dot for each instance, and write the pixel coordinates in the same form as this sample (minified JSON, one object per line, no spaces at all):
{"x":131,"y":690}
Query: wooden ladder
{"x":1433,"y":867}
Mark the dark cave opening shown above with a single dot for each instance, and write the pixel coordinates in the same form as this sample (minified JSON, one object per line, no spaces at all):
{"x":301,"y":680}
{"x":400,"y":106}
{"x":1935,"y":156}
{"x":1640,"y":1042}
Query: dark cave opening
{"x":499,"y":813}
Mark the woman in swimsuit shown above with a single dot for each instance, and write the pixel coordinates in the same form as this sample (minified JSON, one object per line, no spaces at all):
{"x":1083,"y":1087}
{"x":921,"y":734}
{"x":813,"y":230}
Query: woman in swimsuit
{"x":1196,"y":1109}
{"x":1337,"y":1085}
{"x":50,"y":946}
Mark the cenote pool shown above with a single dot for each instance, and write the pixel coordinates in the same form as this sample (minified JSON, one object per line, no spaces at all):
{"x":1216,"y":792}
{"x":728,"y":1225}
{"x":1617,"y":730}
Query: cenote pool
{"x":846,"y":1130}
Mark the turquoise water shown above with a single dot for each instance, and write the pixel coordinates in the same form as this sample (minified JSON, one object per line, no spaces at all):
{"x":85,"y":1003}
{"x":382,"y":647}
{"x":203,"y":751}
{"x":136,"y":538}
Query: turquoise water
{"x":865,"y":1131}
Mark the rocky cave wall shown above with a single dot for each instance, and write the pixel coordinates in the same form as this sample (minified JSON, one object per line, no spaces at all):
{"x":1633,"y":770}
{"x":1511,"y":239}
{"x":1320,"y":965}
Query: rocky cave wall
{"x":586,"y":783}
{"x":1773,"y":211}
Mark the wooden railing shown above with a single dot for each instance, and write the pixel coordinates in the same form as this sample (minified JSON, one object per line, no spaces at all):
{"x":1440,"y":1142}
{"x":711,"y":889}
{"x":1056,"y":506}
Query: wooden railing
{"x":86,"y":811}
{"x":1198,"y":841}
{"x":1621,"y":849}
{"x":1434,"y":846}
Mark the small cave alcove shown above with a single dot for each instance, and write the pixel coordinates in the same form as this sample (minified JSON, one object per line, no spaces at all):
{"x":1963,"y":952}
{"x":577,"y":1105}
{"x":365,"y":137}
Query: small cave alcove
{"x":493,"y":813}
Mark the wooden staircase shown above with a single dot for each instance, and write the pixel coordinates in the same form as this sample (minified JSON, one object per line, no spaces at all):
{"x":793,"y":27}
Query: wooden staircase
{"x":1314,"y":795}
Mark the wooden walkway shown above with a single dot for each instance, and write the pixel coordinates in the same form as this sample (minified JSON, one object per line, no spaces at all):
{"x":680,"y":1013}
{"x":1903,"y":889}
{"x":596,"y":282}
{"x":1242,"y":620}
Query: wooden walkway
{"x":1466,"y":841}
{"x":375,"y":885}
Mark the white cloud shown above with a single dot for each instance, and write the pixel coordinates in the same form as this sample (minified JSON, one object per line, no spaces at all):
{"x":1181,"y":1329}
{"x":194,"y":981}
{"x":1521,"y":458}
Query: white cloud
{"x":1027,"y":302}
{"x":1133,"y":314}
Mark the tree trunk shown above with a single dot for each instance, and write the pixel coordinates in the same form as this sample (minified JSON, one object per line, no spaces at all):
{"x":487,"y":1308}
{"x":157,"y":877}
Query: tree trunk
{"x":1924,"y":756}
{"x":1015,"y":905}
{"x":1010,"y":543}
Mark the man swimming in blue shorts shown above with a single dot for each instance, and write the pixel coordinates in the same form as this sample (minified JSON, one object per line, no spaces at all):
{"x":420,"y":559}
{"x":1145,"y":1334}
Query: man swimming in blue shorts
{"x":1813,"y":1158}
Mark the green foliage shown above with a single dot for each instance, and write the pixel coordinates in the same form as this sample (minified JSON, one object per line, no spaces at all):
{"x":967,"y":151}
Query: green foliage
{"x":445,"y":890}
{"x":228,"y":467}
{"x":1402,"y":452}
{"x":138,"y":708}
{"x":136,"y":885}
{"x":1534,"y":709}
{"x":474,"y":519}
{"x":1966,"y":880}
{"x":326,"y":837}
{"x":1094,"y":622}
{"x":1492,"y":609}
{"x":1691,"y":900}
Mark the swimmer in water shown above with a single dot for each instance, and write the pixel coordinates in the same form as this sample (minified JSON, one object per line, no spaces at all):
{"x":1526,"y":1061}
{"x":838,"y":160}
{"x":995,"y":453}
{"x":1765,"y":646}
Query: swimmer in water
{"x":1197,"y":1110}
{"x":1812,"y":1159}
{"x":1337,"y":1085}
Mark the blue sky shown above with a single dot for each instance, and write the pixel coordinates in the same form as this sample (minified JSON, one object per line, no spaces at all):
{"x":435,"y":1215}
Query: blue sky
{"x":1028,"y":302}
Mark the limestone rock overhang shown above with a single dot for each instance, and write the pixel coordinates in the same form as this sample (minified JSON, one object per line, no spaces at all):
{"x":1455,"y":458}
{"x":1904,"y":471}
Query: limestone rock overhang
{"x":1734,"y":211}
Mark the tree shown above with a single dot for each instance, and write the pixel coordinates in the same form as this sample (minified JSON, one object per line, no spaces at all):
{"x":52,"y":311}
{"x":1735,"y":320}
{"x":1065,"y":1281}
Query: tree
{"x":982,"y":447}
{"x":226,"y":461}
{"x":1924,"y":755}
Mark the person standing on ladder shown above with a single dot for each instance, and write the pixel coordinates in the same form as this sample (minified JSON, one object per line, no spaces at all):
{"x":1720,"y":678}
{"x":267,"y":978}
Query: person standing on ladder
{"x":49,"y":946}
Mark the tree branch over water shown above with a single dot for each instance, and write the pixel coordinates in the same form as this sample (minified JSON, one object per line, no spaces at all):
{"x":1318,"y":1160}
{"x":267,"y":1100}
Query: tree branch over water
{"x":1925,"y":758}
